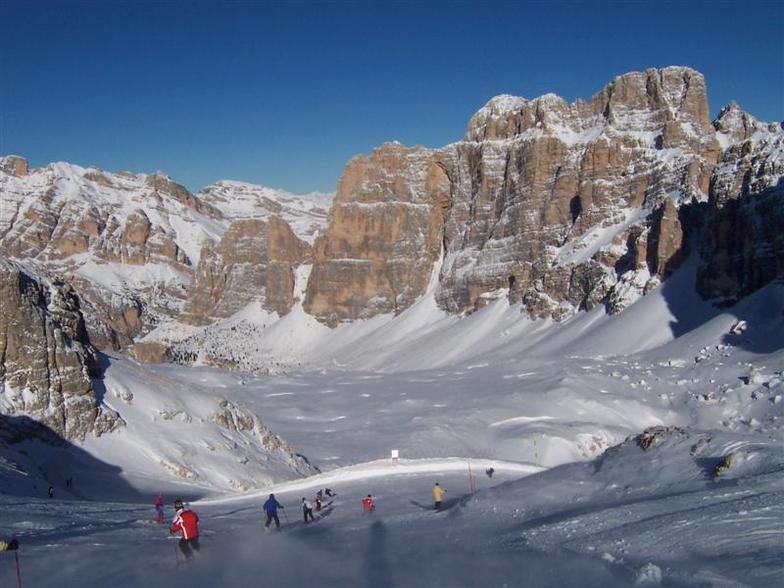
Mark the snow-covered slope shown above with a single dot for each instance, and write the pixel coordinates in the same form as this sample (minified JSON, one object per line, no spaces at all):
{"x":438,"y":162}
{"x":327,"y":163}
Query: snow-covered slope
{"x":306,"y":214}
{"x":174,"y":435}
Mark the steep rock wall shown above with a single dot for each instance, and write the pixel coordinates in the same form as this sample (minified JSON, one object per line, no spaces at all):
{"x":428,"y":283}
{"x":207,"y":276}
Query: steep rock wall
{"x":47,"y":364}
{"x":552,"y":204}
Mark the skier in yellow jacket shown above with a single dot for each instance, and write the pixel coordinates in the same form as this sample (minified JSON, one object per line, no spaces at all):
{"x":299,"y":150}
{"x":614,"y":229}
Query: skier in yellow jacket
{"x":438,"y":495}
{"x":11,"y":545}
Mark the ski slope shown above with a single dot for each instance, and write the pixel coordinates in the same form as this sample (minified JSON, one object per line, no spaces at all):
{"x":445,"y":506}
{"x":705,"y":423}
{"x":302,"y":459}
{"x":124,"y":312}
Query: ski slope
{"x":632,"y":518}
{"x":554,"y":409}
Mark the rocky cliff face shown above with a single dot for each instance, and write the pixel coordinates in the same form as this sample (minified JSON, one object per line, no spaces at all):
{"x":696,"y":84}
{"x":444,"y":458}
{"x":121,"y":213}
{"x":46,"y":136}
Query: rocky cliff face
{"x":558,"y":206}
{"x":253,"y":261}
{"x":46,"y":361}
{"x":14,"y":165}
{"x":126,"y":243}
{"x":384,"y":235}
{"x":743,"y":244}
{"x":130,"y":244}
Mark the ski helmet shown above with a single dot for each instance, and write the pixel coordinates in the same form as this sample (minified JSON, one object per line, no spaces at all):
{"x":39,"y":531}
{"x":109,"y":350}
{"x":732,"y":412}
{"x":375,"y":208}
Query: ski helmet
{"x":178,"y":504}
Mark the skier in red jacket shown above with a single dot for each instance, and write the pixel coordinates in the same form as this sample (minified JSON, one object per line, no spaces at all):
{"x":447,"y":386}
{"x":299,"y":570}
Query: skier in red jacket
{"x":186,"y":522}
{"x":368,"y":505}
{"x":159,"y":509}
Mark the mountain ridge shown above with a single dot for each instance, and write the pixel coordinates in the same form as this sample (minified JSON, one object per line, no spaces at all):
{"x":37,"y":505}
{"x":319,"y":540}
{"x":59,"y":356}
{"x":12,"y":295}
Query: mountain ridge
{"x":558,"y":207}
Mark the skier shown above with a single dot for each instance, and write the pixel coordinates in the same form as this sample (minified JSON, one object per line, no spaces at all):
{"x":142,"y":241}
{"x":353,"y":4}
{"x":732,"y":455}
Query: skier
{"x":329,"y":493}
{"x":11,"y":545}
{"x":159,"y":508}
{"x":368,"y":505}
{"x":187,"y":523}
{"x":50,"y":492}
{"x":307,"y":510}
{"x":271,"y":508}
{"x":319,"y":498}
{"x":438,"y":495}
{"x":489,"y":472}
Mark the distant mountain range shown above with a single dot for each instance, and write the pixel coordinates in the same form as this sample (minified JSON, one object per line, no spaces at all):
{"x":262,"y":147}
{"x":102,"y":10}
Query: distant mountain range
{"x":558,"y":207}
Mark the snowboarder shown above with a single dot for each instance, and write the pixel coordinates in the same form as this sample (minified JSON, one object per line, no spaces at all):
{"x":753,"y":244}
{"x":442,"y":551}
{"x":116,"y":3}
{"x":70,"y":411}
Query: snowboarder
{"x":307,"y":510}
{"x":159,"y":508}
{"x":489,"y":472}
{"x":11,"y":545}
{"x":319,"y":498}
{"x":187,"y":523}
{"x":367,"y":504}
{"x":271,"y":508}
{"x":50,"y":492}
{"x":438,"y":495}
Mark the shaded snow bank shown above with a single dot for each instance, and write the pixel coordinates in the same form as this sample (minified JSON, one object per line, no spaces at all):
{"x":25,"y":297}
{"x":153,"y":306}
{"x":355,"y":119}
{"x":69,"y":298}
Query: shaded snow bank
{"x":706,"y":508}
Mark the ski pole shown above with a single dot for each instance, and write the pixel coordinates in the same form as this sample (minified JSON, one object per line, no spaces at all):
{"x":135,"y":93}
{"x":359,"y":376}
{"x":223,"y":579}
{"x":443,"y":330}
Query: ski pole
{"x":18,"y":571}
{"x":285,"y":516}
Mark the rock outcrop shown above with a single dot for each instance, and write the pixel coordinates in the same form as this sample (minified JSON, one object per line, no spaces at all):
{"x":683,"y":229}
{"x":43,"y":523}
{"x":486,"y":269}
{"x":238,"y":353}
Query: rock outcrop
{"x":125,"y":243}
{"x":743,"y":243}
{"x":129,"y":244}
{"x":253,"y":261}
{"x":559,"y":206}
{"x":384,"y":235}
{"x":14,"y":165}
{"x":47,"y":364}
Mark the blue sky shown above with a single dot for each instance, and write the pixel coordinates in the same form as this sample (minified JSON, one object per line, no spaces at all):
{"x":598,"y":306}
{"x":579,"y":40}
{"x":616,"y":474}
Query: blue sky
{"x":284,"y":93}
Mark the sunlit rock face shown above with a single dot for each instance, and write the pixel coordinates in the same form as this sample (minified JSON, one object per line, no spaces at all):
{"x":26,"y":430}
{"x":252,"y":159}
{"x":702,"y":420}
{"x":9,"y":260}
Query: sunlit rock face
{"x":559,"y":206}
{"x":253,"y":261}
{"x":126,"y":243}
{"x":384,"y":235}
{"x":47,"y":364}
{"x":130,"y":245}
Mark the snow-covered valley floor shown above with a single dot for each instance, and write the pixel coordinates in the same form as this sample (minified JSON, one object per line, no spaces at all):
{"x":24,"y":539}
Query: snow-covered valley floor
{"x":577,"y":498}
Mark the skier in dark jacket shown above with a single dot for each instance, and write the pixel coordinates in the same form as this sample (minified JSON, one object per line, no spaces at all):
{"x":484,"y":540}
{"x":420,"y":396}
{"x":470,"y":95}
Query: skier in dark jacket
{"x":271,"y":508}
{"x":307,"y":510}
